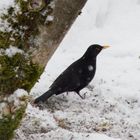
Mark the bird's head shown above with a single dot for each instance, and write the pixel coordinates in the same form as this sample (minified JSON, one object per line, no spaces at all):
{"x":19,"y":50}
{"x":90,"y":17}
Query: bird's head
{"x":94,"y":50}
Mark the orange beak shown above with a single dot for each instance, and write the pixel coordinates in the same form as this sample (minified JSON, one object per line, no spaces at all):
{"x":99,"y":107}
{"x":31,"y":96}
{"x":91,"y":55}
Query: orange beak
{"x":105,"y":47}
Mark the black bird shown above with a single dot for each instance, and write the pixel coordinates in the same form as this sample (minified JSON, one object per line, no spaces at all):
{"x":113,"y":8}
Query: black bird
{"x":76,"y":76}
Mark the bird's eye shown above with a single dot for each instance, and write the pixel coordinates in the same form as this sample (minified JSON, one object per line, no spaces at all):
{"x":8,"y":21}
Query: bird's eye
{"x":98,"y":49}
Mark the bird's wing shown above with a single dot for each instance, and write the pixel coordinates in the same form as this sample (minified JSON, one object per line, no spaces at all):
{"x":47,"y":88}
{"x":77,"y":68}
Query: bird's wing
{"x":67,"y":80}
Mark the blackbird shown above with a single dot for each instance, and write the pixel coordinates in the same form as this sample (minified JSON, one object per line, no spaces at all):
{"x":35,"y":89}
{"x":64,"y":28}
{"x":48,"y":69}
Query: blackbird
{"x":76,"y":76}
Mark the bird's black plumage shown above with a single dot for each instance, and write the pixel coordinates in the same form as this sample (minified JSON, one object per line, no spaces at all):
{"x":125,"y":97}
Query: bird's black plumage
{"x":76,"y":76}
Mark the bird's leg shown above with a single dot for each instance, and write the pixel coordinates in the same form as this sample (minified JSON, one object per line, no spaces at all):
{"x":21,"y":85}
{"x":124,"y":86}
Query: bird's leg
{"x":80,"y":95}
{"x":85,"y":95}
{"x":63,"y":96}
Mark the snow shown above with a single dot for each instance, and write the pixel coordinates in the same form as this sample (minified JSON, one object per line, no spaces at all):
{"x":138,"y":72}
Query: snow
{"x":111,"y":109}
{"x":20,"y":93}
{"x":64,"y":135}
{"x":5,"y":4}
{"x":49,"y":18}
{"x":11,"y":51}
{"x":52,"y":4}
{"x":16,"y":97}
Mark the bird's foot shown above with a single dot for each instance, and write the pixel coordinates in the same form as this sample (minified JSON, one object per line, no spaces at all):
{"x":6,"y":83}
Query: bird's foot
{"x":82,"y":97}
{"x":33,"y":103}
{"x":85,"y":95}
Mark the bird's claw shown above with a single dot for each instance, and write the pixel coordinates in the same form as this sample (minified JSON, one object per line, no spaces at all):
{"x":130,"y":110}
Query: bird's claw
{"x":85,"y":95}
{"x":82,"y":97}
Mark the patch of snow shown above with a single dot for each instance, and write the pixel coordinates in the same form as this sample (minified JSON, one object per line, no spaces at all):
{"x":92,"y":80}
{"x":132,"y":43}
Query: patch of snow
{"x":5,"y":4}
{"x":15,"y":97}
{"x":12,"y":51}
{"x":49,"y":18}
{"x":52,"y":4}
{"x":20,"y":93}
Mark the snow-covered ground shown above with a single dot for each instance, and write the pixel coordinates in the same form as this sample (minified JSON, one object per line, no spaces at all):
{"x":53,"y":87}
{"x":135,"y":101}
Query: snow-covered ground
{"x":112,"y":104}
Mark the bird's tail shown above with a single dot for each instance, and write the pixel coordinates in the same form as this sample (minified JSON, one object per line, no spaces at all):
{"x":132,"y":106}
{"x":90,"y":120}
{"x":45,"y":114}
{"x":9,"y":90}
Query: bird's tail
{"x":44,"y":97}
